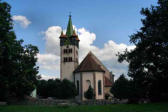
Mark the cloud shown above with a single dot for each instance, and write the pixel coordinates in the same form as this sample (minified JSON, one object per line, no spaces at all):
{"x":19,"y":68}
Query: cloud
{"x":52,"y":40}
{"x":22,"y":20}
{"x":107,"y":54}
{"x":46,"y":77}
{"x":48,"y":61}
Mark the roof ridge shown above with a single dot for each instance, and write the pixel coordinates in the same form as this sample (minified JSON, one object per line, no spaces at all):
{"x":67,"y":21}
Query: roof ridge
{"x":95,"y":58}
{"x":89,"y":64}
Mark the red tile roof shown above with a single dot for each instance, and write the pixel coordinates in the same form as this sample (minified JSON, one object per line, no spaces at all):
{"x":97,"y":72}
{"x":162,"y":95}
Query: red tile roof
{"x":107,"y":82}
{"x":77,"y":39}
{"x":63,"y":36}
{"x":89,"y":65}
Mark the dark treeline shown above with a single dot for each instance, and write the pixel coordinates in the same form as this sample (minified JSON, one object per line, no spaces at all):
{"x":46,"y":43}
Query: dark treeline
{"x":56,"y":88}
{"x":148,"y":62}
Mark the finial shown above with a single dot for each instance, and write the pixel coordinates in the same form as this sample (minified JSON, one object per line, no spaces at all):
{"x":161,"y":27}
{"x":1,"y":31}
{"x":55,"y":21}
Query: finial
{"x":70,"y":14}
{"x":74,"y":32}
{"x":62,"y":33}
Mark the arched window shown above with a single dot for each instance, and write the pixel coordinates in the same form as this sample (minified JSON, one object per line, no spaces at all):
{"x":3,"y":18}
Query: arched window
{"x":70,"y":50}
{"x":65,"y":59}
{"x":99,"y":88}
{"x":64,"y":51}
{"x":69,"y":59}
{"x":77,"y":84}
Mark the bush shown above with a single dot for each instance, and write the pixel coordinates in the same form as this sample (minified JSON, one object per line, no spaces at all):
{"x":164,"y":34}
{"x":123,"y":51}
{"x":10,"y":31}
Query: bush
{"x":89,"y":94}
{"x":121,"y":88}
{"x":107,"y":96}
{"x":56,"y":88}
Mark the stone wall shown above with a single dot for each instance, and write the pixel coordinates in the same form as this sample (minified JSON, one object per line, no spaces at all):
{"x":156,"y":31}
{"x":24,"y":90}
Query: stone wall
{"x":68,"y":102}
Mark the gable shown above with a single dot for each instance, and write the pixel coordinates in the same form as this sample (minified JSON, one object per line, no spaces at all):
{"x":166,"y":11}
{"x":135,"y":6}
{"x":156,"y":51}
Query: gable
{"x":89,"y":65}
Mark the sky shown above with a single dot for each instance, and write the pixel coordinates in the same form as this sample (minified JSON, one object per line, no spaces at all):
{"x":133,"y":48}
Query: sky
{"x":103,"y":26}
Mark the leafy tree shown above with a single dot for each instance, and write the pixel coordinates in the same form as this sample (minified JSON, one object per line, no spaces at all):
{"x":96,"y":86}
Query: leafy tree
{"x":121,"y":88}
{"x":42,"y":88}
{"x":149,"y":60}
{"x":89,"y":94}
{"x":68,"y":89}
{"x":18,"y":70}
{"x":56,"y":88}
{"x":5,"y":31}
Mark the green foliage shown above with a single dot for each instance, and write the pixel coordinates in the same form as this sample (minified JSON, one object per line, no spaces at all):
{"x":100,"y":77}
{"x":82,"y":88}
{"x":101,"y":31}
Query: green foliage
{"x":121,"y":88}
{"x":18,"y":71}
{"x":56,"y":88}
{"x":107,"y":95}
{"x":149,"y":60}
{"x":89,"y":94}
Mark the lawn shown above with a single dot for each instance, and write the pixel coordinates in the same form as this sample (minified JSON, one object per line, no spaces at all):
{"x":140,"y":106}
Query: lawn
{"x":157,"y":107}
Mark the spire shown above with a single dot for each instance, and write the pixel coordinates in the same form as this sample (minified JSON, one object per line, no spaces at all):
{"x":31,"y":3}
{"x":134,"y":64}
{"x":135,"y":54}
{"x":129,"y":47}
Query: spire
{"x":69,"y":31}
{"x":62,"y":33}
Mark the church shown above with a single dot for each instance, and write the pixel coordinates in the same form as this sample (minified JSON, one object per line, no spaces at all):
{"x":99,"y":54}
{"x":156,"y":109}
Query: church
{"x":90,"y":72}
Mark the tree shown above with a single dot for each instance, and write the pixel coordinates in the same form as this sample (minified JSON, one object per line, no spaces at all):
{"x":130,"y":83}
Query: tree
{"x":68,"y":89}
{"x":18,"y":70}
{"x":89,"y":94}
{"x":121,"y":88}
{"x":56,"y":88}
{"x":149,"y":60}
{"x":42,"y":88}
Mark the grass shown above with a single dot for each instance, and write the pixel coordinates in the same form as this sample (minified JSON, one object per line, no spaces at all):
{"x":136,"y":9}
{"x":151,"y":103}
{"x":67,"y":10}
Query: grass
{"x":155,"y":107}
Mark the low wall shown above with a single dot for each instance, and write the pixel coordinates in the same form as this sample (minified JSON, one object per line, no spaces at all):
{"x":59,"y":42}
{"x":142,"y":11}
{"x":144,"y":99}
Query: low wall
{"x":46,"y":102}
{"x":98,"y":102}
{"x":71,"y":102}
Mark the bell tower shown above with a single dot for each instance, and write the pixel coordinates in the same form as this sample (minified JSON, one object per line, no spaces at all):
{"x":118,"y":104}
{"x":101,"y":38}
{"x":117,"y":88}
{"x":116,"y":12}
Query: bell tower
{"x":69,"y":46}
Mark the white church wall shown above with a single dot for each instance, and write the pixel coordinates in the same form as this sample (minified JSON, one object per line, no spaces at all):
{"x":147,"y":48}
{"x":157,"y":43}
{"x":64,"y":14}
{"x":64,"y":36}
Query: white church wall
{"x":99,"y":76}
{"x":86,"y":77}
{"x":67,"y":68}
{"x":78,"y":78}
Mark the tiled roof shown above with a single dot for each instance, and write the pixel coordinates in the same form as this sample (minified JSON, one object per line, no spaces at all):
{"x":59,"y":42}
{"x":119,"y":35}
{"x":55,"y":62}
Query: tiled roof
{"x":63,"y":36}
{"x":107,"y":82}
{"x":89,"y":64}
{"x":77,"y":38}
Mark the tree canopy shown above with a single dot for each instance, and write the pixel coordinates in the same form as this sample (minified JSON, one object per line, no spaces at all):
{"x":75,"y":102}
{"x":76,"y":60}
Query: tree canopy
{"x":59,"y":89}
{"x":18,"y":70}
{"x":149,"y":60}
{"x":121,"y":88}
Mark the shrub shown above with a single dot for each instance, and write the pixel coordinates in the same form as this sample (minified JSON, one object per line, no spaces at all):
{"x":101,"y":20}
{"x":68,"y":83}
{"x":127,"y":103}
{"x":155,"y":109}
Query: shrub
{"x":107,"y":96}
{"x":89,"y":94}
{"x":60,"y":89}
